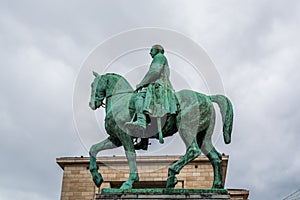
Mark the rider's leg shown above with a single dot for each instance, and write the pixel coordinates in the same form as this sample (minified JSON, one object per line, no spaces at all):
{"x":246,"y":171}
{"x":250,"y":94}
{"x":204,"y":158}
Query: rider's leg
{"x":140,"y":123}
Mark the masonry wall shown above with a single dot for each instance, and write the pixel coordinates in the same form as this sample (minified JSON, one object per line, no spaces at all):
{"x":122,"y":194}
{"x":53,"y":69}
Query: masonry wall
{"x":153,"y":170}
{"x":77,"y":183}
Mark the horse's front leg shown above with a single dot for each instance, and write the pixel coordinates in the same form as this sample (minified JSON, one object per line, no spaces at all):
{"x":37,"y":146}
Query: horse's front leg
{"x":133,"y":176}
{"x":131,"y":157}
{"x":105,"y":144}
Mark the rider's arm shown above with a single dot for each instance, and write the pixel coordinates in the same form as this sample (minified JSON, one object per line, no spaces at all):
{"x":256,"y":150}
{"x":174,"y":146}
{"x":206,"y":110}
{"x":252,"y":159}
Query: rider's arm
{"x":154,"y":72}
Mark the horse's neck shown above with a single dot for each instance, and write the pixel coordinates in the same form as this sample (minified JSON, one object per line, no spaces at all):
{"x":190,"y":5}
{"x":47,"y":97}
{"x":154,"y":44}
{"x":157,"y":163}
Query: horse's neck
{"x":117,"y":84}
{"x":116,"y":92}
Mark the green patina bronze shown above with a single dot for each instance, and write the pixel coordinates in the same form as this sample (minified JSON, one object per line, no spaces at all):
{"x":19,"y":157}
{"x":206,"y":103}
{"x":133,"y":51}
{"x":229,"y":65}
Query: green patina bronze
{"x":187,"y":112}
{"x":150,"y":191}
{"x":156,"y":96}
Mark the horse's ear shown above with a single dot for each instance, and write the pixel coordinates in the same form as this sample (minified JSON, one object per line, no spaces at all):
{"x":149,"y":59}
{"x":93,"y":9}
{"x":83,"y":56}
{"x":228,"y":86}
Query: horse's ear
{"x":95,"y":74}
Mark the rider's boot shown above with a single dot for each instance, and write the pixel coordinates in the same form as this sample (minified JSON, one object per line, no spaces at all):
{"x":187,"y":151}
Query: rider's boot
{"x":139,"y":124}
{"x":143,"y":144}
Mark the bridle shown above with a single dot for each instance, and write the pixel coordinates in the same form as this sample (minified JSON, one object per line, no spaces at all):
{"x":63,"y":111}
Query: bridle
{"x":114,"y":94}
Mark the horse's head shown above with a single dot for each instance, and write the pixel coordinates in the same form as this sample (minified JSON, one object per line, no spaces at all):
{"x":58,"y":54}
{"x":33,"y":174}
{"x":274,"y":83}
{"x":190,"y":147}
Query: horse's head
{"x":105,"y":86}
{"x":98,"y":91}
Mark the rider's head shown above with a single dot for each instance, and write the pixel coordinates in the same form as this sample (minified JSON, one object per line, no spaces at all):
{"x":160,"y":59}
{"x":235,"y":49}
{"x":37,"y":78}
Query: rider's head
{"x":156,"y":49}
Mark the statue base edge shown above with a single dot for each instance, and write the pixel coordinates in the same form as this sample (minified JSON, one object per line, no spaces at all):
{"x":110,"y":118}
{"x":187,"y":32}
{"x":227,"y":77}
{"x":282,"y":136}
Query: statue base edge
{"x":163,"y":193}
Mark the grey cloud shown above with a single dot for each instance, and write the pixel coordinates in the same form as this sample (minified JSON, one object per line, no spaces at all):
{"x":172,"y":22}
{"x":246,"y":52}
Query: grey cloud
{"x":254,"y":44}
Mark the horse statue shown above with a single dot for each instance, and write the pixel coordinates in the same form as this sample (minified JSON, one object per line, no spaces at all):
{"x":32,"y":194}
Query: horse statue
{"x":194,"y":122}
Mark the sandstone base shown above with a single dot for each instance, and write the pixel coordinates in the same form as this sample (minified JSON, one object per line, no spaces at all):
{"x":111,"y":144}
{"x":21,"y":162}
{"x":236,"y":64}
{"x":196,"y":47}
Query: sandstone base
{"x":162,"y":193}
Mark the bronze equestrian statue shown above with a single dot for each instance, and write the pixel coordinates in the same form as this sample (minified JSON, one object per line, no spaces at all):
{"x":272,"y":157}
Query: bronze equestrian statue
{"x":128,"y":112}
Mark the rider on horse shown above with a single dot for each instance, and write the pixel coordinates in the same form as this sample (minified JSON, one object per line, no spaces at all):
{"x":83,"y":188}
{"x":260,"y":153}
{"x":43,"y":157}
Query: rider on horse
{"x":155,"y":95}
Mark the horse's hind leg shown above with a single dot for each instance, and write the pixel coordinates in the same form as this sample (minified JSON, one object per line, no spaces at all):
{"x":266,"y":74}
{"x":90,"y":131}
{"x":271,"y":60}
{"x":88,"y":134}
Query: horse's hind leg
{"x":215,"y":159}
{"x":213,"y":155}
{"x":105,"y":144}
{"x":192,"y":152}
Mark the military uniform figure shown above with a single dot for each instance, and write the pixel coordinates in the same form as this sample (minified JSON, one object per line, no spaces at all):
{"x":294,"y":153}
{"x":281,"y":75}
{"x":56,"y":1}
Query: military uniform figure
{"x":156,"y":96}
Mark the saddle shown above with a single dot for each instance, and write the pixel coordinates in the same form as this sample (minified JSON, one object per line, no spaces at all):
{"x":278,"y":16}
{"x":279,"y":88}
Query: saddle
{"x":156,"y":127}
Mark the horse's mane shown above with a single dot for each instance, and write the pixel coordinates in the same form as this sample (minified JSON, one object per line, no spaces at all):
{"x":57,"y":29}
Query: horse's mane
{"x":118,"y":77}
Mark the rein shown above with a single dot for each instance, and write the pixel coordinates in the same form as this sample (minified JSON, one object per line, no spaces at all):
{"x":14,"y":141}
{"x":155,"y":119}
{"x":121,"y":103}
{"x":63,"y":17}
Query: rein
{"x":119,"y":93}
{"x":103,"y":104}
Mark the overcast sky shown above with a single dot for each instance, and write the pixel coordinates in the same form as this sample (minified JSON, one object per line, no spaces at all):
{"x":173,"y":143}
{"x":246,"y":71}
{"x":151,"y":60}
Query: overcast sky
{"x":254,"y":45}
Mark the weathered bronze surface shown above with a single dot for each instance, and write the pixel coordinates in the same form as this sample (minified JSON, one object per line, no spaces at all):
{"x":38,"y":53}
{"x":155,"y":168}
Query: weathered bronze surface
{"x":188,"y":112}
{"x":155,"y":96}
{"x":164,"y":193}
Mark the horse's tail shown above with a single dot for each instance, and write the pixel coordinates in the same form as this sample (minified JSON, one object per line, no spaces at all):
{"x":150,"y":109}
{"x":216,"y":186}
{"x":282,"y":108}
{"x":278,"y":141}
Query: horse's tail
{"x":227,"y":115}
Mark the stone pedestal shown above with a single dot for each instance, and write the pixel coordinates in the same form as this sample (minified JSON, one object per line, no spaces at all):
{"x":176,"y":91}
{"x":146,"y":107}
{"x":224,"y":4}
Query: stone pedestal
{"x":153,"y":172}
{"x":163,"y":193}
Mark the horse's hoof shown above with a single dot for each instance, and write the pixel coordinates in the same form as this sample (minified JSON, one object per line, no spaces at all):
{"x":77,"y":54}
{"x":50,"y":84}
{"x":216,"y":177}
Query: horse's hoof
{"x":126,"y":186}
{"x":217,"y":186}
{"x":171,"y":182}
